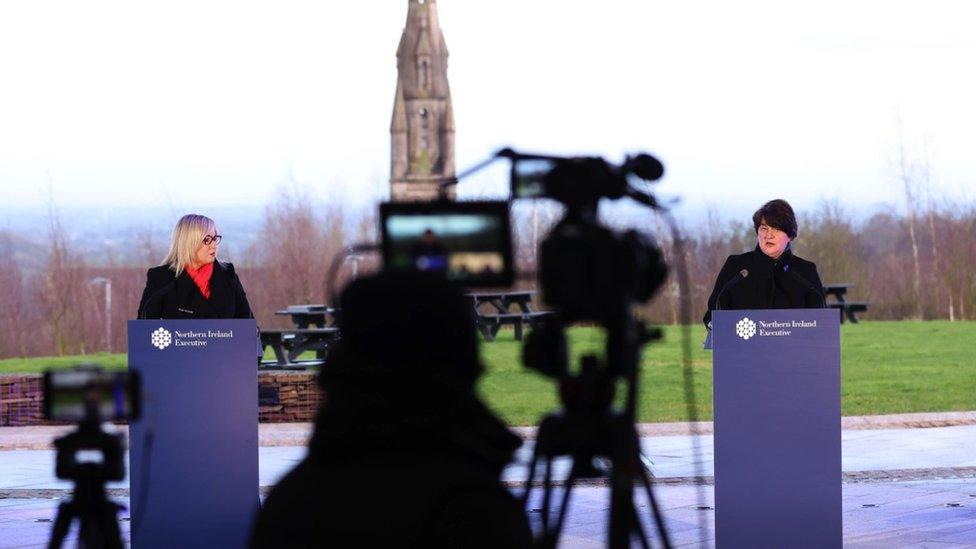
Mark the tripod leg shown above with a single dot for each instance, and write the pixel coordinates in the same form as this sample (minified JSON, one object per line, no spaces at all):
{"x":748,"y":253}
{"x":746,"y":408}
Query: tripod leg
{"x":546,"y":496}
{"x":531,"y":478}
{"x":621,"y":506}
{"x":652,"y":501}
{"x":110,"y":525}
{"x":564,"y":507}
{"x":62,"y":524}
{"x":639,"y":529}
{"x":552,"y":536}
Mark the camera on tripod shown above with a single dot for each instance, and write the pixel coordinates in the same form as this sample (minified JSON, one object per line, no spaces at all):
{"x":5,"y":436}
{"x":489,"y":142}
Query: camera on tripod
{"x":587,"y":270}
{"x":88,"y":395}
{"x":587,"y":273}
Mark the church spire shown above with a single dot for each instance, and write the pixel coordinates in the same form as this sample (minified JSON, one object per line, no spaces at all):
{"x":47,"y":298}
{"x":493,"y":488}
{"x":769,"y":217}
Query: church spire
{"x":422,"y":128}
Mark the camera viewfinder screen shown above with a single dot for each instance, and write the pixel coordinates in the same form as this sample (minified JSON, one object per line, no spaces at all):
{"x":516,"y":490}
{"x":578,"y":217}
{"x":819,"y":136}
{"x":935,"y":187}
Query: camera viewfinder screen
{"x":469,"y":242}
{"x":528,"y":177}
{"x":66,"y":394}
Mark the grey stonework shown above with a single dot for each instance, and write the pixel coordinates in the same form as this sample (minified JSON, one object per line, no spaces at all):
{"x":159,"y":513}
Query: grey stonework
{"x":422,"y":129}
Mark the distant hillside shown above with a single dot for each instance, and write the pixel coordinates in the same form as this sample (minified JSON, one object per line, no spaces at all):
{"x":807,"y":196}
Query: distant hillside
{"x":28,"y":253}
{"x":134,"y":235}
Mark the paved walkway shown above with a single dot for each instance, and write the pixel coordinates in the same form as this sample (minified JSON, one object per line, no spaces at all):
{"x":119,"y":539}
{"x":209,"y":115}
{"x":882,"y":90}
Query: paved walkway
{"x":931,"y":514}
{"x":917,"y":454}
{"x":903,"y":486}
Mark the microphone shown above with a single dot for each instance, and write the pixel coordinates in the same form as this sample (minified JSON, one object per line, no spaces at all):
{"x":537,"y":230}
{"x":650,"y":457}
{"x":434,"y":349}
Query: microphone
{"x":809,"y":286}
{"x":739,"y":277}
{"x":645,"y":167}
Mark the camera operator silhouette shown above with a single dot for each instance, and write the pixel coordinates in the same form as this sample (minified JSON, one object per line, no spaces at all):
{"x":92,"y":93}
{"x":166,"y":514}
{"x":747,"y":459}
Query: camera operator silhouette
{"x":404,"y":453}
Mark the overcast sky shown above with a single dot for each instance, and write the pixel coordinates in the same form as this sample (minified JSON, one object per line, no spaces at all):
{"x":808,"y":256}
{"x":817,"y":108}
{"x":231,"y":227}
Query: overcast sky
{"x":195,"y":104}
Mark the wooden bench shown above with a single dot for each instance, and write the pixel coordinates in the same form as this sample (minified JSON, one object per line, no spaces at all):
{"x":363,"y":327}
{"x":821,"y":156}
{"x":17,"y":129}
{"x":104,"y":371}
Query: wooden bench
{"x":288,"y":345}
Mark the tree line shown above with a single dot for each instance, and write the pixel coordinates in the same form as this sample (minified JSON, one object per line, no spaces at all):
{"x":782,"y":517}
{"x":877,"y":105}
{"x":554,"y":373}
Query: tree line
{"x":915,"y":265}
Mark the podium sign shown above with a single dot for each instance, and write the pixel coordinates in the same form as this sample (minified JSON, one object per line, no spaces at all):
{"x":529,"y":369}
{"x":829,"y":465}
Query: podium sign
{"x":194,"y":452}
{"x":777,"y":428}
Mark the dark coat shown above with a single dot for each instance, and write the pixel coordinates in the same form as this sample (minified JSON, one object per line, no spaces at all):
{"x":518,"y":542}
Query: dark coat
{"x":178,"y":297}
{"x":395,"y":464}
{"x":783,"y":283}
{"x":404,"y":453}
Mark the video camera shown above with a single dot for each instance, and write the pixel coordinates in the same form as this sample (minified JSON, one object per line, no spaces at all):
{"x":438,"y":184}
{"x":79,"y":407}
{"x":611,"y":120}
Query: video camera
{"x":88,"y":395}
{"x":587,"y":271}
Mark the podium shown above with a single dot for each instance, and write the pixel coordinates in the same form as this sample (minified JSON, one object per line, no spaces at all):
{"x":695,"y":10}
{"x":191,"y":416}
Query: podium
{"x":194,"y":452}
{"x":776,"y":377}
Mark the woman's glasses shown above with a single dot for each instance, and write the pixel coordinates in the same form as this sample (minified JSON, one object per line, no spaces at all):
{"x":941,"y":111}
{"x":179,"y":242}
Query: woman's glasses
{"x":208,"y":240}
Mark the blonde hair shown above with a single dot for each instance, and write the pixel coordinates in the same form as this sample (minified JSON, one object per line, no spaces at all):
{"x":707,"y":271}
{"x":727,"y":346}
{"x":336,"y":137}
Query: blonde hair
{"x":187,"y":236}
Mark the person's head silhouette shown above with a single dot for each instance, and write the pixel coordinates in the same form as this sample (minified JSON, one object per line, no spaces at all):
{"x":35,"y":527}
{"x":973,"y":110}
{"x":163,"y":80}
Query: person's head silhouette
{"x":404,"y":453}
{"x":409,"y":324}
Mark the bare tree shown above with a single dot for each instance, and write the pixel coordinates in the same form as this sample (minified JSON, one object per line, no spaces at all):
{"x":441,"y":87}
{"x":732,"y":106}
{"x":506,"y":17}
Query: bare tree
{"x":531,"y":223}
{"x":288,"y":262}
{"x":62,"y":296}
{"x":829,"y":238}
{"x":12,"y":342}
{"x":908,"y":174}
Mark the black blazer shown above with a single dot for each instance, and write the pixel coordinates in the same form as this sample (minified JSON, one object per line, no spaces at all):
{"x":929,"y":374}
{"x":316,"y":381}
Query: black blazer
{"x":789,"y":282}
{"x":170,"y":296}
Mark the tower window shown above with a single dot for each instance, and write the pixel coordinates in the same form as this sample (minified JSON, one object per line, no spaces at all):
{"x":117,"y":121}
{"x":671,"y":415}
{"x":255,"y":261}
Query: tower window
{"x":424,"y":70}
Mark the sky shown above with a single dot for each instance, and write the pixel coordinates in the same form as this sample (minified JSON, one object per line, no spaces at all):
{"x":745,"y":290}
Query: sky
{"x":178,"y":106}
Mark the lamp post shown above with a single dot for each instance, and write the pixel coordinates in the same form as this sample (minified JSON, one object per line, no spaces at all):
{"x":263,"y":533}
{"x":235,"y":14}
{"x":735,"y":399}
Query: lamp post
{"x":108,"y":308}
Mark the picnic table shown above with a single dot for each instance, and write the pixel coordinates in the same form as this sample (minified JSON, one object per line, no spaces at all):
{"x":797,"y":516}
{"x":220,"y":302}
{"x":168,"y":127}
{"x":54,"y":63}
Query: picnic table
{"x":315,"y":331}
{"x":495,"y":309}
{"x":289,"y":344}
{"x":847,"y":309}
{"x":306,"y":316}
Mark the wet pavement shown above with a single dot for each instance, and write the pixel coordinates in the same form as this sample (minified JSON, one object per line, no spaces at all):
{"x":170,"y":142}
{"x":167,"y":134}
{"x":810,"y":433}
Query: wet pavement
{"x":903,"y":487}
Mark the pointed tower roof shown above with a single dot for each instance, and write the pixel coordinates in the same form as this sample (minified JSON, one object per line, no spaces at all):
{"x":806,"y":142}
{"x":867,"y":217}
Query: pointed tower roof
{"x":422,"y":36}
{"x":422,"y":125}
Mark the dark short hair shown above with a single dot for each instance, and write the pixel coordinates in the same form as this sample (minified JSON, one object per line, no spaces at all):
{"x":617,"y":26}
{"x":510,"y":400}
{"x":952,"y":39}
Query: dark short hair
{"x":412,"y":323}
{"x":778,"y":214}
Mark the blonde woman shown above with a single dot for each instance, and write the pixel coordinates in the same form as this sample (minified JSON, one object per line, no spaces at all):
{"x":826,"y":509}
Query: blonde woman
{"x":191,"y":283}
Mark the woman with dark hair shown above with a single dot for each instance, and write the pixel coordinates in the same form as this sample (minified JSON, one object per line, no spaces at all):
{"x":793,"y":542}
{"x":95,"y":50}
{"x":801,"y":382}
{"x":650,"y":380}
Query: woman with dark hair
{"x":770,"y":276}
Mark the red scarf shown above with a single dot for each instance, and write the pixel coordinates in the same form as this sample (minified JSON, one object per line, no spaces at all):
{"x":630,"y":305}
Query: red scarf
{"x":201,"y":277}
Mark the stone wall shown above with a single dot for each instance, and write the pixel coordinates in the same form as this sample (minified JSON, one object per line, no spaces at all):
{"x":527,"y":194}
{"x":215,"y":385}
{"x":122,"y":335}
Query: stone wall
{"x":22,"y":400}
{"x":287,"y":397}
{"x":282,"y":397}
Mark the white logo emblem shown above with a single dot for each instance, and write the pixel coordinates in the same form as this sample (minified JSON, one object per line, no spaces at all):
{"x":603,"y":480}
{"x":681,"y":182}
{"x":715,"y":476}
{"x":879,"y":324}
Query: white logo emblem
{"x":161,"y":338}
{"x":745,"y":328}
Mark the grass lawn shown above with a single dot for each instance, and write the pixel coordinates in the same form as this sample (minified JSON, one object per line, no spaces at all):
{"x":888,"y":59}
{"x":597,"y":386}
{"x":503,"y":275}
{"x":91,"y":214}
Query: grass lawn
{"x":39,"y":364}
{"x":887,"y":367}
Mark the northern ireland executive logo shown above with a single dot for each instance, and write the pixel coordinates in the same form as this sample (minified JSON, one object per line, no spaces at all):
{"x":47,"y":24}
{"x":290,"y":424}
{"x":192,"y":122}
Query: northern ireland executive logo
{"x":745,"y":328}
{"x":161,"y":338}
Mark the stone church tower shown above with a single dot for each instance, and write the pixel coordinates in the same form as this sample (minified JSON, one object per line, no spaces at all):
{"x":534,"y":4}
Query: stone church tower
{"x":422,"y":131}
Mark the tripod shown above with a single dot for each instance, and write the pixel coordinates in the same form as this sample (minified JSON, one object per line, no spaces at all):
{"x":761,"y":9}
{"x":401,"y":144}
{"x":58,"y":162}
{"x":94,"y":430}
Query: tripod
{"x":588,"y":428}
{"x":98,"y":516}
